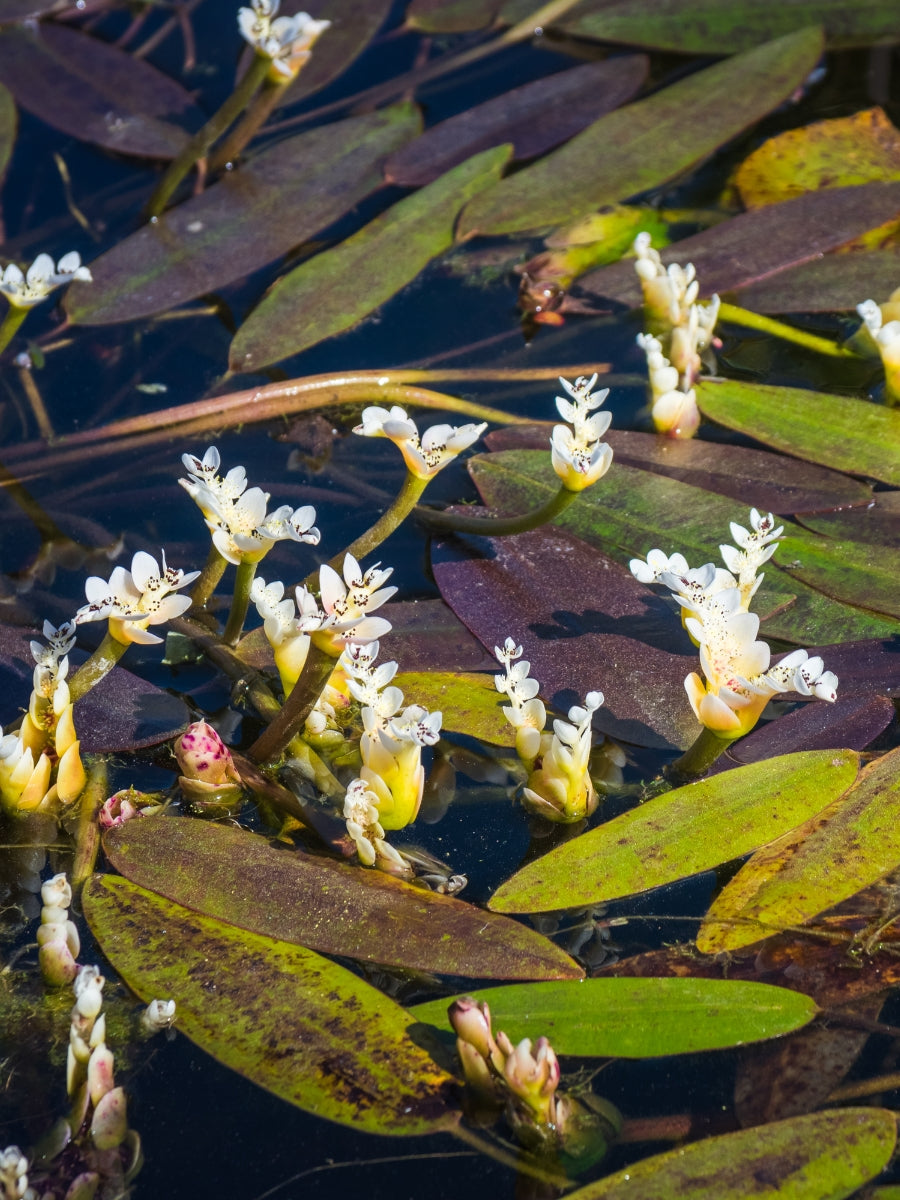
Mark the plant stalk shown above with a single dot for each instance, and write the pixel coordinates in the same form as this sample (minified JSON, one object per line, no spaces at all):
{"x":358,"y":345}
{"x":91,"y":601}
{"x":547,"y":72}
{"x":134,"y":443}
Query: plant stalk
{"x":258,"y":112}
{"x":87,"y":836}
{"x":240,"y":603}
{"x":223,"y":657}
{"x":97,"y":666}
{"x":209,"y":579}
{"x":497,"y":526}
{"x":273,"y":741}
{"x":698,"y":758}
{"x":394,"y":516}
{"x":787,"y":333}
{"x":11,"y":322}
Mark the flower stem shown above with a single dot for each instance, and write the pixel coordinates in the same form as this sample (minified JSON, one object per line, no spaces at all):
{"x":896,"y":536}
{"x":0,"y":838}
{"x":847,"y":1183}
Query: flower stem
{"x":698,"y":758}
{"x":211,"y":131}
{"x":787,"y":333}
{"x":258,"y":112}
{"x":87,"y":837}
{"x":240,"y":603}
{"x":297,"y":707}
{"x":10,"y":327}
{"x":97,"y":666}
{"x":497,"y":526}
{"x":210,"y":576}
{"x":223,"y":657}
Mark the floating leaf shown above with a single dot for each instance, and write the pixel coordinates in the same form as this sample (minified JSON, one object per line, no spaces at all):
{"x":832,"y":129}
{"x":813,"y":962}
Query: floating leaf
{"x":95,"y":92}
{"x":681,"y":833}
{"x":833,"y":283}
{"x":8,"y":122}
{"x":713,"y":26}
{"x":14,"y":11}
{"x":765,"y":481}
{"x":470,"y":703}
{"x":354,"y":23}
{"x":637,"y":1018}
{"x":334,"y":290}
{"x":238,"y":877}
{"x":855,"y":572}
{"x":255,"y":214}
{"x":450,"y":16}
{"x":833,"y":855}
{"x":836,"y":431}
{"x":588,"y":626}
{"x":431,"y":635}
{"x":286,"y":1018}
{"x":533,"y":118}
{"x":823,"y":1156}
{"x":757,"y":245}
{"x":875,"y":522}
{"x":647,"y":143}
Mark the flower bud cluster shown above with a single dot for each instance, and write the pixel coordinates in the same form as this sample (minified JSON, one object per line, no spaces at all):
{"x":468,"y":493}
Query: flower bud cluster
{"x":286,"y":41}
{"x":40,"y":765}
{"x":89,"y":1068}
{"x":133,"y":600}
{"x":738,"y":679}
{"x":14,"y":1175}
{"x":685,"y":330}
{"x":424,"y":456}
{"x":579,"y":457}
{"x":209,"y":778}
{"x":883,"y":324}
{"x":57,"y":936}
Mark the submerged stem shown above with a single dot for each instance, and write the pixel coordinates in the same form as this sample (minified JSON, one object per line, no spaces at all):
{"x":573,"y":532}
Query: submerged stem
{"x":497,"y":526}
{"x":297,"y":707}
{"x":698,"y":758}
{"x":87,"y":837}
{"x":97,"y":666}
{"x":787,"y":333}
{"x":11,"y":322}
{"x":209,"y":579}
{"x":240,"y":603}
{"x":258,"y":112}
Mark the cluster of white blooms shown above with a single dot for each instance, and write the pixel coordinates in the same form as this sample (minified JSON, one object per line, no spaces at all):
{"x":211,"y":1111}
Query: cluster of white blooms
{"x":41,"y":765}
{"x":24,"y":291}
{"x":242,"y":530}
{"x":57,"y":935}
{"x":285,"y":41}
{"x":14,"y":1175}
{"x":883,"y":323}
{"x":559,"y":785}
{"x":737,"y":680}
{"x":424,"y":456}
{"x":579,"y":457}
{"x":133,"y":600}
{"x":686,"y":330}
{"x":89,"y":1066}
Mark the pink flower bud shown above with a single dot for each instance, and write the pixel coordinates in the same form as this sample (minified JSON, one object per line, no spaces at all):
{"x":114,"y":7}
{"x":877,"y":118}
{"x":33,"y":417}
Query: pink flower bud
{"x":471,"y":1022}
{"x":118,"y":809}
{"x":203,"y":755}
{"x":110,"y":1121}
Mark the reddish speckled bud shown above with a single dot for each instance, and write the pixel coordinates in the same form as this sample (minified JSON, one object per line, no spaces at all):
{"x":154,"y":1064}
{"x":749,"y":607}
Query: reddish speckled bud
{"x":209,"y":778}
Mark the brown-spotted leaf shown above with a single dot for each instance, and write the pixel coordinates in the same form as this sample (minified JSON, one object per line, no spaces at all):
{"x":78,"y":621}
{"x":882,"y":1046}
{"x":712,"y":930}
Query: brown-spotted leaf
{"x":95,"y":92}
{"x":330,"y":906}
{"x":293,"y":1022}
{"x":534,"y":118}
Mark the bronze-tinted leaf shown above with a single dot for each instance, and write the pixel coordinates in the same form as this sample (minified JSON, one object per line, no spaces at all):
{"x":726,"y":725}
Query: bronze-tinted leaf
{"x":238,"y":877}
{"x":8,"y":123}
{"x":833,"y":283}
{"x":354,"y":23}
{"x":92,"y":91}
{"x":255,"y":214}
{"x":534,"y":118}
{"x":451,"y":16}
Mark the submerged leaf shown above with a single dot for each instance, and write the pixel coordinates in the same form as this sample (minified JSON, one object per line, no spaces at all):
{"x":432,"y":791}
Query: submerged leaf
{"x":637,"y":1018}
{"x":681,"y":833}
{"x":286,"y":1018}
{"x":833,"y":283}
{"x":239,"y":877}
{"x":334,"y":290}
{"x":260,"y":211}
{"x":648,"y":142}
{"x":354,"y":23}
{"x":470,"y":703}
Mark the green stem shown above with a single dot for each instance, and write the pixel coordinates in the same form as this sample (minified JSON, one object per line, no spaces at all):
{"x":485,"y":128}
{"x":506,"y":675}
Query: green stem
{"x":787,"y":333}
{"x":10,"y":327}
{"x":211,"y":132}
{"x":87,"y":837}
{"x":698,"y":758}
{"x":223,"y":657}
{"x":209,"y":579}
{"x":240,"y":603}
{"x":258,"y":112}
{"x":297,"y":707}
{"x":497,"y":526}
{"x":97,"y":666}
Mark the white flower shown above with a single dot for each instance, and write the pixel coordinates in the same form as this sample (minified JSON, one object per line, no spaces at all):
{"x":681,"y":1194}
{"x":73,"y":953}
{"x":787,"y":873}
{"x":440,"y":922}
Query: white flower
{"x":287,"y":41}
{"x":24,"y":291}
{"x":657,"y":564}
{"x":886,"y":336}
{"x":136,"y":599}
{"x":578,"y":456}
{"x":756,"y":548}
{"x":560,"y":787}
{"x":525,"y":711}
{"x":438,"y":446}
{"x":356,"y":595}
{"x":674,"y":411}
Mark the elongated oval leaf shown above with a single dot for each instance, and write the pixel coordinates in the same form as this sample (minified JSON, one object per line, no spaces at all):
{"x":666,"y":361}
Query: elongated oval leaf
{"x":533,"y":118}
{"x":238,"y":877}
{"x":836,"y":431}
{"x":450,"y":16}
{"x":850,"y":844}
{"x":681,"y":833}
{"x":334,"y":290}
{"x":354,"y":23}
{"x":855,"y":572}
{"x":823,"y":1156}
{"x":255,"y":214}
{"x":293,"y":1022}
{"x":92,"y":91}
{"x":833,"y":283}
{"x":8,"y":123}
{"x":646,"y":143}
{"x":470,"y":703}
{"x":638,"y":1018}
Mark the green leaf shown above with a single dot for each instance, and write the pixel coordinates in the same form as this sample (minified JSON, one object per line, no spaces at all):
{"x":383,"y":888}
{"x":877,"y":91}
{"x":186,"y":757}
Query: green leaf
{"x":638,"y":1018}
{"x":334,"y":290}
{"x":470,"y":702}
{"x":286,"y":1018}
{"x":853,"y":572}
{"x":850,"y":844}
{"x":8,"y":123}
{"x":823,"y":1156}
{"x":451,"y":16}
{"x":718,"y":26}
{"x":681,"y":833}
{"x":255,"y":214}
{"x":238,"y":877}
{"x":836,"y":431}
{"x":646,"y":143}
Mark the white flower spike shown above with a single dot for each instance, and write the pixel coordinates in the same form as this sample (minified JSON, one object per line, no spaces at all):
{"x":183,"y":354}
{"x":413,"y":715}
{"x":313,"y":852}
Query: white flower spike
{"x":578,"y":456}
{"x":286,"y":41}
{"x":24,"y":291}
{"x":136,"y":599}
{"x":424,"y":457}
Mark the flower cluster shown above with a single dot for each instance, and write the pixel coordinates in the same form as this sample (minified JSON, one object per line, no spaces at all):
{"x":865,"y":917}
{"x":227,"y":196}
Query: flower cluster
{"x":367,"y":832}
{"x":133,"y":600}
{"x":579,"y":457}
{"x":24,"y":291}
{"x":285,"y":41}
{"x":57,"y":936}
{"x":883,"y":324}
{"x":242,"y":530}
{"x":14,"y":1175}
{"x":685,"y":330}
{"x":737,"y":680}
{"x":89,"y":1069}
{"x":559,"y":785}
{"x":424,"y":456}
{"x":41,"y":765}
